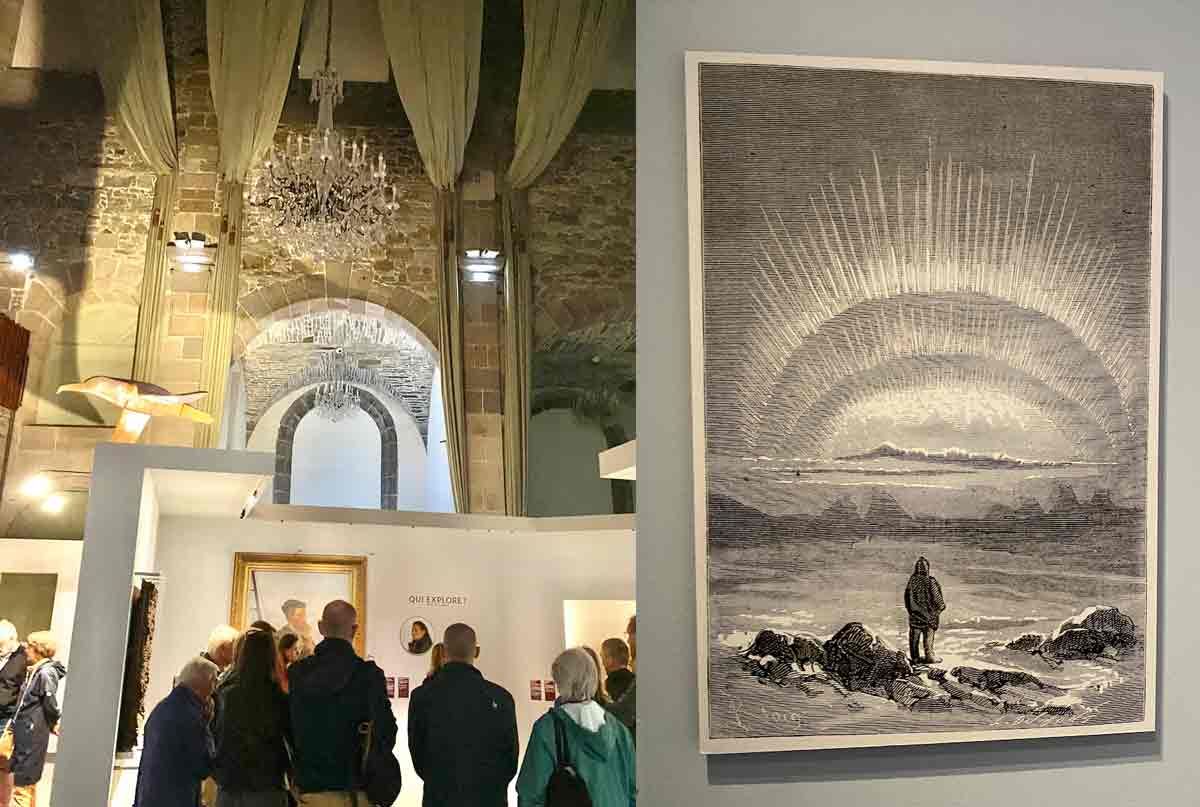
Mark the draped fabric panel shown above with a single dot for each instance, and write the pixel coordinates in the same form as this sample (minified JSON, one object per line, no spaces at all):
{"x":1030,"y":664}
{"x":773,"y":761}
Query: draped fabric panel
{"x":132,"y":65}
{"x":566,"y":45}
{"x":155,"y":280}
{"x":251,"y":48}
{"x":448,"y":204}
{"x":217,"y":351}
{"x":434,"y":51}
{"x":518,"y":347}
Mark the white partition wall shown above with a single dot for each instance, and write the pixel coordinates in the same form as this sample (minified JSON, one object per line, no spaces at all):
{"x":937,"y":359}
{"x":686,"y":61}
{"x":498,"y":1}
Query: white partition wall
{"x":509,"y":578}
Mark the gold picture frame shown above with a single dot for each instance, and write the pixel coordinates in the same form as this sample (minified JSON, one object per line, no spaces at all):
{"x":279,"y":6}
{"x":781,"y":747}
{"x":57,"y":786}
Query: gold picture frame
{"x":248,"y":566}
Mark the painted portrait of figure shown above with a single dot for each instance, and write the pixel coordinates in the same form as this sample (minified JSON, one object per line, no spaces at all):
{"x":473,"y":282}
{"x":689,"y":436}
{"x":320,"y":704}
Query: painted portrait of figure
{"x":925,"y":332}
{"x":291,"y":591}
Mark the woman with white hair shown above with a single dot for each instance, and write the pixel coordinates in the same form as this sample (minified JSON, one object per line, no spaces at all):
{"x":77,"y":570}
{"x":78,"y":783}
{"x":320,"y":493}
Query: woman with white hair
{"x":13,"y":665}
{"x":578,"y":743}
{"x":37,"y":717}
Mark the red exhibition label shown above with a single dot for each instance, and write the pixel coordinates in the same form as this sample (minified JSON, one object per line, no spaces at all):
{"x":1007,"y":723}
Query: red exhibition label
{"x":535,"y":690}
{"x":391,"y":686}
{"x":401,"y":687}
{"x":550,"y":692}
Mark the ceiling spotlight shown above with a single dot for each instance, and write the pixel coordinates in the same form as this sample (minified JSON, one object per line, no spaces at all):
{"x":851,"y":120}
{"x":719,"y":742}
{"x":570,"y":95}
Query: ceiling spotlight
{"x":482,"y":265}
{"x":192,"y":252}
{"x":35,"y":487}
{"x":54,"y":504}
{"x":21,"y":261}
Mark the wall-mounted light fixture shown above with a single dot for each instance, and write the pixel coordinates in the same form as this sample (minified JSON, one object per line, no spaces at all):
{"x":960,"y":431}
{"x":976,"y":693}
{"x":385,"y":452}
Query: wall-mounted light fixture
{"x":47,"y":489}
{"x":17,"y":261}
{"x":482,"y":265}
{"x":192,"y":252}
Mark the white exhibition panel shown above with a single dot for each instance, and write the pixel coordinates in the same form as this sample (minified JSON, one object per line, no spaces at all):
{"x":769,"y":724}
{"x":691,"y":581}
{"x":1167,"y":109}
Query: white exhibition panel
{"x":514,"y":582}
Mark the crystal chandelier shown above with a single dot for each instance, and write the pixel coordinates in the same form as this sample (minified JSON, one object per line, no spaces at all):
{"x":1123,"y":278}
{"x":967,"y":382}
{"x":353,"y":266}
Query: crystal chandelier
{"x":324,"y":195}
{"x":336,"y":400}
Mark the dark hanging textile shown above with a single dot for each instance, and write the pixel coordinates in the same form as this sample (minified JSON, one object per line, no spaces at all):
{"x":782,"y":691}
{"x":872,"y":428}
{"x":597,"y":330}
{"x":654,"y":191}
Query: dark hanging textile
{"x":14,"y":363}
{"x":144,"y":609}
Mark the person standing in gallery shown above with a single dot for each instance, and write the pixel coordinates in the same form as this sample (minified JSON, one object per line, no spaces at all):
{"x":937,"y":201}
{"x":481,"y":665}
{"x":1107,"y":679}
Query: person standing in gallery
{"x":36,"y":717}
{"x":580,"y":733}
{"x":601,"y":696}
{"x":615,"y":654}
{"x":253,"y":728}
{"x":333,"y":694}
{"x":221,"y":643}
{"x":924,"y":602}
{"x":296,"y":614}
{"x":462,"y":730}
{"x":13,"y":666}
{"x":177,"y":746}
{"x":625,"y":707}
{"x":437,"y":660}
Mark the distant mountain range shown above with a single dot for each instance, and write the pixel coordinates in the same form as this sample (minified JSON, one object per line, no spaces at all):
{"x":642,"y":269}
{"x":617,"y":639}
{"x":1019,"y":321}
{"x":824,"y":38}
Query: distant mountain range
{"x":951,"y":456}
{"x":843,"y":520}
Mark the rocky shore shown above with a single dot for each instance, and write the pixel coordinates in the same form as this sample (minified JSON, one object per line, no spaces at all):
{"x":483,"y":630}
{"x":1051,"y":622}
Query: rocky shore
{"x":857,"y":659}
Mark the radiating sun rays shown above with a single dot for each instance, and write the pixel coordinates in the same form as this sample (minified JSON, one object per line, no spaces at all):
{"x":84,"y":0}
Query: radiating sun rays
{"x":949,"y":263}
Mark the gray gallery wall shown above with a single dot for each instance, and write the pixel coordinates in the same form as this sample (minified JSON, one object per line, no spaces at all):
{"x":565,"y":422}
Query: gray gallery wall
{"x":1133,"y":770}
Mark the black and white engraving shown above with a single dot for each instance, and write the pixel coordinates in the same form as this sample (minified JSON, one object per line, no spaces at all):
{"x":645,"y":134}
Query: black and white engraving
{"x":926,"y":307}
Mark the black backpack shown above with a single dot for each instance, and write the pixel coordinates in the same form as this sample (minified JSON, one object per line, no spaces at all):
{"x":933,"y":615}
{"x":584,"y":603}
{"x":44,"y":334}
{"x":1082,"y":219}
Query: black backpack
{"x":380,"y":770}
{"x":566,"y":788}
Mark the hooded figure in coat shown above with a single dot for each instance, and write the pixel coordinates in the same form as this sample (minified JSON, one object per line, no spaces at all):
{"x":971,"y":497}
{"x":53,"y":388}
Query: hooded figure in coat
{"x":578,"y":732}
{"x":924,"y":603}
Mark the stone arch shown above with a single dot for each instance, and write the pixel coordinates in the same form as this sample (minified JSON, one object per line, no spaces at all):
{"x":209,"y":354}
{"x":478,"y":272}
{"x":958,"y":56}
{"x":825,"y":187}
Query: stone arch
{"x":258,"y":311}
{"x":388,"y":455}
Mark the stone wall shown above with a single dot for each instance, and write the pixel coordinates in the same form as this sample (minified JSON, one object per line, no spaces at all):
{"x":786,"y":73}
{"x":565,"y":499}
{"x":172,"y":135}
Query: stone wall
{"x":582,"y":237}
{"x":79,"y":203}
{"x":484,"y":397}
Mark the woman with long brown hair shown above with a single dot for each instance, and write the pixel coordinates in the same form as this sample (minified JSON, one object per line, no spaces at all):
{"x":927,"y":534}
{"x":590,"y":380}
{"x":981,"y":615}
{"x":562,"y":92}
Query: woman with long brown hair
{"x":253,"y":727}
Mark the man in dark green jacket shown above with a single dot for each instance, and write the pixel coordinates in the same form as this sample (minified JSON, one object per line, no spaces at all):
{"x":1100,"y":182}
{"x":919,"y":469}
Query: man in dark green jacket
{"x":332,"y":693}
{"x":462,"y":731}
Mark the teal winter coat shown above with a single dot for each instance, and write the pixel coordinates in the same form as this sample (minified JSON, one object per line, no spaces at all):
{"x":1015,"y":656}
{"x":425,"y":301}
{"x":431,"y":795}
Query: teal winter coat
{"x":604,"y":759}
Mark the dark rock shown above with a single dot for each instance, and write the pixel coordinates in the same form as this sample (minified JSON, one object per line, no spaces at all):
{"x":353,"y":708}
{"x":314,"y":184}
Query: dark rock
{"x":808,"y":649}
{"x":1027,"y":642}
{"x":907,"y":693}
{"x":770,"y":643}
{"x":864,"y":661}
{"x":1028,"y":700}
{"x":938,"y":702}
{"x":1079,"y":643}
{"x":991,"y":680}
{"x":1117,"y":629}
{"x":972,"y":698}
{"x":936,"y":674}
{"x":1055,"y":711}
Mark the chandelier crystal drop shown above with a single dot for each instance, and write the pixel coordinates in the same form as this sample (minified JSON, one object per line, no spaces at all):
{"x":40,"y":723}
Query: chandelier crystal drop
{"x":325,"y":194}
{"x":336,"y":400}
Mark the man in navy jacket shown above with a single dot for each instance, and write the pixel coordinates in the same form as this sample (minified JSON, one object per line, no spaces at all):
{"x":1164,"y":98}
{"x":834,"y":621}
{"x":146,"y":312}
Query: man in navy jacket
{"x":462,"y":731}
{"x":178,"y":752}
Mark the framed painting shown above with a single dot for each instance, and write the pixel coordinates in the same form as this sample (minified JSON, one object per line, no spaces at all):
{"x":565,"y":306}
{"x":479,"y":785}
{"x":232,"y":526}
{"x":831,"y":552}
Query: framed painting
{"x":291,"y":591}
{"x":925,"y":373}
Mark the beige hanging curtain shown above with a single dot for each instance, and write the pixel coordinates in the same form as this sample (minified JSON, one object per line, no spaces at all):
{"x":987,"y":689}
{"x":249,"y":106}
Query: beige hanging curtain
{"x":434,"y":49}
{"x":251,"y":48}
{"x":132,"y":64}
{"x":566,"y":45}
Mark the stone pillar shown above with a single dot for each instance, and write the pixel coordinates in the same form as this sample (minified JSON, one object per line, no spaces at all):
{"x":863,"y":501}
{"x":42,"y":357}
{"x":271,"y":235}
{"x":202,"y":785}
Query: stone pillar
{"x":484,"y":397}
{"x":197,"y":209}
